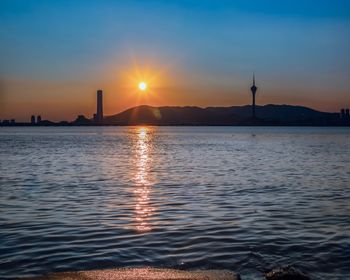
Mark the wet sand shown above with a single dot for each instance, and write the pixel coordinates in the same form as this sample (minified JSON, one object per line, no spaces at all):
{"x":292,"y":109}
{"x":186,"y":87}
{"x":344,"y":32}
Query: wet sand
{"x":141,"y":273}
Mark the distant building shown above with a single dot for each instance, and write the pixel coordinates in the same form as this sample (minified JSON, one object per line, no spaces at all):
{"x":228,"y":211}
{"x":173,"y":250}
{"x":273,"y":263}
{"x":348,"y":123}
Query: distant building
{"x":81,"y":120}
{"x":98,"y":117}
{"x":253,"y":90}
{"x":342,"y":114}
{"x":6,"y":122}
{"x":38,"y":119}
{"x":12,"y":121}
{"x":32,"y":119}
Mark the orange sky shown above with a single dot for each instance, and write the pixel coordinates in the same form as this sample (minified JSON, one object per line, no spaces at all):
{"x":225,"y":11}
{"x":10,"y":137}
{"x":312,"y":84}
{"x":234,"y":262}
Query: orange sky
{"x":64,"y":100}
{"x":168,"y":85}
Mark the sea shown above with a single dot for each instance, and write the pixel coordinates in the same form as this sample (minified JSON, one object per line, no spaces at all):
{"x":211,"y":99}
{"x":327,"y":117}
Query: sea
{"x":245,"y":199}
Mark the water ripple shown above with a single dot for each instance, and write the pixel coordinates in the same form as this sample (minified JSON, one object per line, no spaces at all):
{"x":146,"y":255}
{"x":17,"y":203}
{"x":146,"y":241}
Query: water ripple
{"x":188,"y":198}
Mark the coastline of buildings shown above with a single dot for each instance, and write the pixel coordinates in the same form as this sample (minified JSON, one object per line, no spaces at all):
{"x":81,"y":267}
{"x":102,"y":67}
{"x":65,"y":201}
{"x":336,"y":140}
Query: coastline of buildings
{"x":239,"y":115}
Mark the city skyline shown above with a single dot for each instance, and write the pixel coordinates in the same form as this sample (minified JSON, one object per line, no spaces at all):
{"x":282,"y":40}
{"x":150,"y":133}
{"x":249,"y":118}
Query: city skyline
{"x":266,"y":115}
{"x":98,"y":117}
{"x":190,"y":54}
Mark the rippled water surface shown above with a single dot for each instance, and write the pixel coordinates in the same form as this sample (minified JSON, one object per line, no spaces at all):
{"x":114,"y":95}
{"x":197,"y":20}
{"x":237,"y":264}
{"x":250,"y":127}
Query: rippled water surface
{"x":244,"y":199}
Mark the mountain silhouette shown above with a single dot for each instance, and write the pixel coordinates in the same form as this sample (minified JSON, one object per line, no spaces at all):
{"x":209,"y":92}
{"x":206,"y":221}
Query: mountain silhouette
{"x":235,"y":115}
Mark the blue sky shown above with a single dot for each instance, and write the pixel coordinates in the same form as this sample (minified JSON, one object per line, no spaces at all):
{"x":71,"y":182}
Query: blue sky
{"x":299,"y":49}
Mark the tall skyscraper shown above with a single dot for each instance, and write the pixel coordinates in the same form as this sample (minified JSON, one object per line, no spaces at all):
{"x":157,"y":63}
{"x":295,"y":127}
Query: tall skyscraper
{"x":99,"y":112}
{"x":254,"y":90}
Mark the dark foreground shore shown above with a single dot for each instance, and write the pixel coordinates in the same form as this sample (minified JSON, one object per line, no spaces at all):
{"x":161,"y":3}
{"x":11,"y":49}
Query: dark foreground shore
{"x":280,"y":273}
{"x":141,"y":273}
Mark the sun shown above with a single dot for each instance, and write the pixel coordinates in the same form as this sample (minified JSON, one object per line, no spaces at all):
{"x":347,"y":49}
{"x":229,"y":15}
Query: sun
{"x":142,"y":86}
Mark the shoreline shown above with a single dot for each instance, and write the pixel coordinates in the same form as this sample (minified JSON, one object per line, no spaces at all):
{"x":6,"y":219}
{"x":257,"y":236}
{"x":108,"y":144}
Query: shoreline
{"x":151,"y":273}
{"x":141,"y":273}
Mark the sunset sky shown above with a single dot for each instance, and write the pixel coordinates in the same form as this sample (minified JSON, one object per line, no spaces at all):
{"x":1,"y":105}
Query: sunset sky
{"x":56,"y":54}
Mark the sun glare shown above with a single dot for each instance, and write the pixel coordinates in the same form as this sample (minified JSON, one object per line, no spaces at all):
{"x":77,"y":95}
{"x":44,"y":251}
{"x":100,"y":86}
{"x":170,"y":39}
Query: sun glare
{"x":142,"y":86}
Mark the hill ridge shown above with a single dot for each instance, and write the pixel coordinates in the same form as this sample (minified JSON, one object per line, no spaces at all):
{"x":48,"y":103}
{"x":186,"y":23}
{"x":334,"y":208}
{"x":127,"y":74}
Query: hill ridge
{"x":273,"y":114}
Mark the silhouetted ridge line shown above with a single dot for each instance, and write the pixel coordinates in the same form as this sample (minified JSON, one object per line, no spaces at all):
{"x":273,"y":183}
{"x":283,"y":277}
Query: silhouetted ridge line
{"x":267,"y":115}
{"x":236,"y":115}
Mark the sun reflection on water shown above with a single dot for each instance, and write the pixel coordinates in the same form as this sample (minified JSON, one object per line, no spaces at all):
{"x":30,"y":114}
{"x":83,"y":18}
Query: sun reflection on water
{"x":143,"y":179}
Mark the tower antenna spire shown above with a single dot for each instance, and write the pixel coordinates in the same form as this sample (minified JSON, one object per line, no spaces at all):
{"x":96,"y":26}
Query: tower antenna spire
{"x":253,"y":90}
